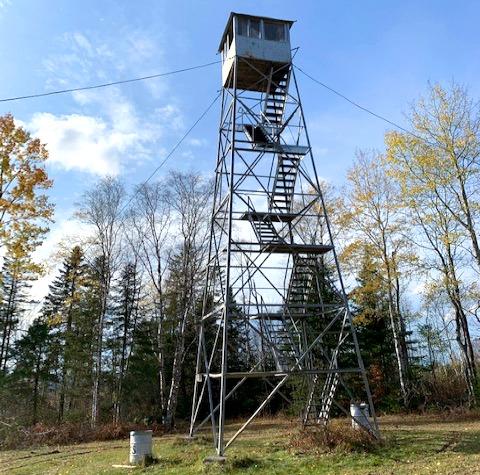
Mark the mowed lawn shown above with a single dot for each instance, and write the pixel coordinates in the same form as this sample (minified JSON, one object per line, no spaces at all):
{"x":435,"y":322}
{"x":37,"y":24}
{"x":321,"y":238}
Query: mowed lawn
{"x":413,"y":445}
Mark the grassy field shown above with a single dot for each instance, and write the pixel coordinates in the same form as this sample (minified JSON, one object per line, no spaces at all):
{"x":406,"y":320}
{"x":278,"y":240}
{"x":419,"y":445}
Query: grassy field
{"x":413,"y":445}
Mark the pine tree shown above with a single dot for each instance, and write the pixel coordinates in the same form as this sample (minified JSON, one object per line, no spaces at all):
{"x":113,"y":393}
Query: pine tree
{"x":126,"y":296}
{"x":13,"y":286}
{"x":371,"y":317}
{"x":32,"y":369}
{"x":62,"y":310}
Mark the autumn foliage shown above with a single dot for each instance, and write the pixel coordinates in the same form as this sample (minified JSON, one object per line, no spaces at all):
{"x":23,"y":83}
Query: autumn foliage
{"x":25,"y":210}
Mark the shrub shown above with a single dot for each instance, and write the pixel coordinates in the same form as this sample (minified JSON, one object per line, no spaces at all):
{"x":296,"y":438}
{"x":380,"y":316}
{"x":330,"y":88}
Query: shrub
{"x":336,"y":436}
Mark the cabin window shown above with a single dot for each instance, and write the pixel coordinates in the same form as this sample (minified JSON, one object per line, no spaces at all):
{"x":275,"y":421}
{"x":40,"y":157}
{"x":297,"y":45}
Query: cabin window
{"x":242,"y":26}
{"x":254,"y":28}
{"x":274,"y":31}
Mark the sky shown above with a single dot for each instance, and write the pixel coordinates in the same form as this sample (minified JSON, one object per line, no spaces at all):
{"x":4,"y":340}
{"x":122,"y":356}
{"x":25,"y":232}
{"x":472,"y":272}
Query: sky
{"x":382,"y":54}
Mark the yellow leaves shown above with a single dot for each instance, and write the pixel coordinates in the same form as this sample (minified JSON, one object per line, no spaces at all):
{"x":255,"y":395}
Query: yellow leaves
{"x":24,"y":209}
{"x":55,"y":320}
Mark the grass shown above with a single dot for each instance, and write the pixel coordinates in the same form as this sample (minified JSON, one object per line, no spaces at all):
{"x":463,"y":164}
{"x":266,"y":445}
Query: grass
{"x":413,"y":445}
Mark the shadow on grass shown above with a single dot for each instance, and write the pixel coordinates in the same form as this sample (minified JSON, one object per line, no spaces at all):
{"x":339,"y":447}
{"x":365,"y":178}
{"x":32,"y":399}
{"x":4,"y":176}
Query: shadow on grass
{"x":417,"y":420}
{"x":199,"y":440}
{"x":402,"y":447}
{"x":468,"y":443}
{"x":246,"y":462}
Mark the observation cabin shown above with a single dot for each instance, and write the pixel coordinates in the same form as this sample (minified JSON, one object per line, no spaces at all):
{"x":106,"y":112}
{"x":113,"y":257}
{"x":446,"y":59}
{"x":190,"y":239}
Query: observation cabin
{"x":262,"y":44}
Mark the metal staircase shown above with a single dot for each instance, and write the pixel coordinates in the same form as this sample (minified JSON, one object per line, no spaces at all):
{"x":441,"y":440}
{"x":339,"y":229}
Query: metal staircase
{"x":301,"y":283}
{"x":265,"y":230}
{"x":328,"y":395}
{"x":281,"y":197}
{"x":281,"y":335}
{"x":285,"y":343}
{"x":275,"y":101}
{"x":319,"y":406}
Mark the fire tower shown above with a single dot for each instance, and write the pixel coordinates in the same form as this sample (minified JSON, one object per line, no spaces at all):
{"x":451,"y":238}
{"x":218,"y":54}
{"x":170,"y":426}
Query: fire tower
{"x":272,"y":273}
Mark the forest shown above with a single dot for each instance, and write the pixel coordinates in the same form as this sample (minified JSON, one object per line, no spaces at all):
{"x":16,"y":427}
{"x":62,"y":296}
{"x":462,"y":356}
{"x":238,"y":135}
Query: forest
{"x":114,"y":339}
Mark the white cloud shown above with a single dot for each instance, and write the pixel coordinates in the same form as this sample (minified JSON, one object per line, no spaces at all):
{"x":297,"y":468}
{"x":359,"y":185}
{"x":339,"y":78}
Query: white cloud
{"x":106,"y":144}
{"x":84,"y":143}
{"x":107,"y":135}
{"x":198,"y":142}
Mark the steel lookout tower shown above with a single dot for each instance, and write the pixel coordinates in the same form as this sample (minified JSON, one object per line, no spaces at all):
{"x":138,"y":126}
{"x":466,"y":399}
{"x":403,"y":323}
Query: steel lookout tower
{"x":273,"y":276}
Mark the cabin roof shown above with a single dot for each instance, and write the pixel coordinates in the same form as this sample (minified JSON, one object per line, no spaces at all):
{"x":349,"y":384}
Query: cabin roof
{"x":230,"y":20}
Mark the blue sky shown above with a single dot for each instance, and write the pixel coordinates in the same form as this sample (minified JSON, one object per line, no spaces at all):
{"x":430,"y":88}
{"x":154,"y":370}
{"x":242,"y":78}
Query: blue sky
{"x":379,"y":53}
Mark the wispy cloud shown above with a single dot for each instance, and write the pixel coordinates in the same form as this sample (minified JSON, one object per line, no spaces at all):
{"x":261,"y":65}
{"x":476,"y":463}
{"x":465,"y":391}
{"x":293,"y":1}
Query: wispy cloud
{"x":108,"y":132}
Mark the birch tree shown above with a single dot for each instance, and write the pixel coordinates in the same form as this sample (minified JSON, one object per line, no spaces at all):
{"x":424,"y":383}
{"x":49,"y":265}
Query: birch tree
{"x":189,"y":198}
{"x":444,"y":237}
{"x":150,"y":218}
{"x":372,"y":214}
{"x":443,"y":155}
{"x":102,"y":208}
{"x":438,"y":171}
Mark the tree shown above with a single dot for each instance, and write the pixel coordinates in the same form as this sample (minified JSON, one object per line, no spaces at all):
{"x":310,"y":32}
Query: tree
{"x":102,"y":208}
{"x":373,"y":215}
{"x":371,"y":317}
{"x":433,"y":177}
{"x":25,"y":210}
{"x":124,"y":319}
{"x":16,"y":275}
{"x":189,"y":198}
{"x":32,"y":368}
{"x":150,"y":219}
{"x":61,"y":309}
{"x":442,"y":155}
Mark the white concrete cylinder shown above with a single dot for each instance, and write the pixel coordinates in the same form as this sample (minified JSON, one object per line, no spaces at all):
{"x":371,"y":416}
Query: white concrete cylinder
{"x":361,"y":414}
{"x":140,"y":446}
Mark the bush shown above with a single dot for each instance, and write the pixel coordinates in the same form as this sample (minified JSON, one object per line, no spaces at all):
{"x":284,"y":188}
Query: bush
{"x":16,"y":437}
{"x":444,"y":388}
{"x":336,"y":436}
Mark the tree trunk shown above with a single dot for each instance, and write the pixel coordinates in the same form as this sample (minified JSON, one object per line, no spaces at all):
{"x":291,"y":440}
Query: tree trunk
{"x":118,"y":397}
{"x":35,"y":387}
{"x":97,"y":373}
{"x":8,"y":327}
{"x":161,"y":361}
{"x":176,"y":372}
{"x":66,"y":355}
{"x":462,"y":331}
{"x":468,"y":214}
{"x":396,"y":323}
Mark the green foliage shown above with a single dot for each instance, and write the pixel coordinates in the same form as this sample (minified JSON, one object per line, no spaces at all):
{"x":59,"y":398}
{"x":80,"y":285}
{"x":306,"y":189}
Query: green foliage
{"x":14,"y":284}
{"x":371,"y":317}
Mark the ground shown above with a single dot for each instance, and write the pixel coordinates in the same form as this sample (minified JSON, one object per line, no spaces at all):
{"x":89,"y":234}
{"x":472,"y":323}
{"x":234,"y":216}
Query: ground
{"x":412,"y":445}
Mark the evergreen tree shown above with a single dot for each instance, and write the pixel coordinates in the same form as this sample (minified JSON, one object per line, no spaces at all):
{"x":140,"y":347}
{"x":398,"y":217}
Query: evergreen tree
{"x":125,"y":311}
{"x":15,"y":277}
{"x":371,"y":317}
{"x":32,"y":369}
{"x":63,"y":311}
